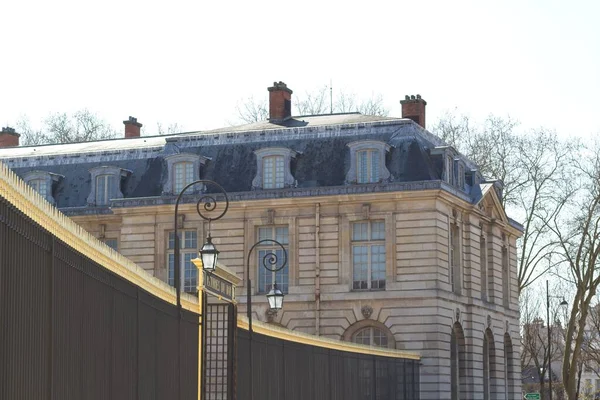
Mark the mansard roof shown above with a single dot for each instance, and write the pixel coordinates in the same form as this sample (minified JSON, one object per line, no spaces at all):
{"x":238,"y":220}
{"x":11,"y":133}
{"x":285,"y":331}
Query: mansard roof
{"x":322,"y":161}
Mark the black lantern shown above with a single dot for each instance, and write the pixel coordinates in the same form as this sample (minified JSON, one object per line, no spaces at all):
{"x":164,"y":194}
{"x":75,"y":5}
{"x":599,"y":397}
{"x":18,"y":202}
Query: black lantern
{"x":209,"y":255}
{"x":275,"y":297}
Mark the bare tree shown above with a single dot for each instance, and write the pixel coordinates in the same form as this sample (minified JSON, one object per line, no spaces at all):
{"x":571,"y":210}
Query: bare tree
{"x":577,"y":226}
{"x":251,"y":110}
{"x":316,"y":102}
{"x":169,"y":129}
{"x":530,"y":166}
{"x":81,"y":126}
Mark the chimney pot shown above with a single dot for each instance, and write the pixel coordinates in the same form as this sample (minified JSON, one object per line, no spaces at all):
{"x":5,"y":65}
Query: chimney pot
{"x":132,"y":127}
{"x":8,"y":137}
{"x":413,"y":107}
{"x":280,"y":102}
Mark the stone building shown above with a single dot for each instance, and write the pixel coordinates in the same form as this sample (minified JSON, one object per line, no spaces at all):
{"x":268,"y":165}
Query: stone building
{"x":394,"y":238}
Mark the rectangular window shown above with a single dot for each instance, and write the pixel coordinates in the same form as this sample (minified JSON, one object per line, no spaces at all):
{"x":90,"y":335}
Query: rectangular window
{"x":264,"y":252}
{"x":40,"y":186}
{"x":505,"y":278}
{"x":368,"y":255}
{"x":368,"y":166}
{"x":273,"y":172}
{"x":183,"y":175}
{"x":188,"y":245}
{"x":449,"y":170}
{"x":105,"y":189}
{"x":483,"y":268}
{"x":455,"y":275}
{"x":112,"y":243}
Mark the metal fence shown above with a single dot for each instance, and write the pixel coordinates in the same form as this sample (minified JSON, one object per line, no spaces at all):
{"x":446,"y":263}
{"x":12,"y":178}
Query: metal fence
{"x":70,"y":329}
{"x":282,"y":369}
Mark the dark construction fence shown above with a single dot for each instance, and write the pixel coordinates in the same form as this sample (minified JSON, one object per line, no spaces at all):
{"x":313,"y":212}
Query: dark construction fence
{"x":71,"y":329}
{"x":282,"y":369}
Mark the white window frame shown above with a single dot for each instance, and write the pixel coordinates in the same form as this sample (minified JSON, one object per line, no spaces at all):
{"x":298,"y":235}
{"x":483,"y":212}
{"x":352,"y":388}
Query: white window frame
{"x":282,"y":277}
{"x":48,"y":178}
{"x":383,"y":174}
{"x":369,"y":244}
{"x":273,"y":172}
{"x":371,"y":331}
{"x":196,"y":160}
{"x":187,"y":251}
{"x":118,"y":173}
{"x":288,"y":179}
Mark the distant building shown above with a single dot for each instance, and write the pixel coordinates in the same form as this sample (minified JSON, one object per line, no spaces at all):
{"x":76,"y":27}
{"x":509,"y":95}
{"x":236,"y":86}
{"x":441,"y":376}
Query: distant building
{"x":394,"y":238}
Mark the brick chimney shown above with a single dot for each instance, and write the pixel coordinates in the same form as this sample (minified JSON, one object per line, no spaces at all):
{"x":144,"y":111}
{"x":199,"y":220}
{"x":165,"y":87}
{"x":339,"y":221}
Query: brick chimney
{"x":413,"y":107}
{"x":280,"y":102}
{"x":132,"y":128}
{"x":8,"y":137}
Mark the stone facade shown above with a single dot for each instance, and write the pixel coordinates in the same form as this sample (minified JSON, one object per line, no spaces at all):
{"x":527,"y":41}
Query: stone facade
{"x":445,"y":249}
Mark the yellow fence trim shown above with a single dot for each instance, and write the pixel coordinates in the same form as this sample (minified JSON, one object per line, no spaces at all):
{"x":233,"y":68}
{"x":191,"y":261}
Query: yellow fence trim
{"x":312,"y":340}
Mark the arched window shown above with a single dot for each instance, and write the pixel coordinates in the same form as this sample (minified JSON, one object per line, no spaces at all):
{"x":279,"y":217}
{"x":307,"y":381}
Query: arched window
{"x":489,"y":363}
{"x":370,"y":333}
{"x":508,"y":366}
{"x":371,"y":337}
{"x":458,"y":365}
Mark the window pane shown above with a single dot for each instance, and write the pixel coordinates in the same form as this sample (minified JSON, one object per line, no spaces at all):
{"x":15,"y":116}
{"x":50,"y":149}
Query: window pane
{"x":377,"y":230}
{"x":362,"y":170}
{"x":183,"y":174}
{"x":101,"y":190}
{"x":363,"y":337}
{"x":189,"y":174}
{"x":189,"y":277}
{"x":377,"y":267}
{"x":191,"y":241}
{"x":171,"y":240}
{"x":279,"y":172}
{"x":379,"y":338}
{"x":268,"y":173}
{"x":374,"y":166}
{"x":171,"y":262}
{"x":265,"y":233}
{"x":360,"y":267}
{"x":360,"y":231}
{"x":281,"y":235}
{"x":111,"y":188}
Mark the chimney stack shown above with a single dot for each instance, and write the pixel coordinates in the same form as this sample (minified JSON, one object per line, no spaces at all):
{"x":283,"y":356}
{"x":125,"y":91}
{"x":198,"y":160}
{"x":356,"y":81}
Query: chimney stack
{"x":413,"y":107}
{"x":132,"y":128}
{"x":280,"y":102}
{"x":8,"y":137}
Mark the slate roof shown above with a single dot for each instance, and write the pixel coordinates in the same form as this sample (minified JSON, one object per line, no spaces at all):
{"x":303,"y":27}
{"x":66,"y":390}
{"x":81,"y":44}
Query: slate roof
{"x":322,"y":162}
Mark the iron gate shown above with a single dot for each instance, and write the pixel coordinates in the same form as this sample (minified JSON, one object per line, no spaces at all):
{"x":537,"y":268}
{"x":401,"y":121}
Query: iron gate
{"x":218,"y":359}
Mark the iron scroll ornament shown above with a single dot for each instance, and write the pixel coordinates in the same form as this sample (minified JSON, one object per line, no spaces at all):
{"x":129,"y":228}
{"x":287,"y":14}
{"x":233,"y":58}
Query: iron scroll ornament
{"x":269,"y":262}
{"x":206,"y":202}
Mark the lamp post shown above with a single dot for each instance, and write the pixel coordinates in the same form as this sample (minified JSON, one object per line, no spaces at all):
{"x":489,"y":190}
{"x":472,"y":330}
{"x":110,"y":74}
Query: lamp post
{"x":206,"y":204}
{"x":275,"y":295}
{"x":562,"y":303}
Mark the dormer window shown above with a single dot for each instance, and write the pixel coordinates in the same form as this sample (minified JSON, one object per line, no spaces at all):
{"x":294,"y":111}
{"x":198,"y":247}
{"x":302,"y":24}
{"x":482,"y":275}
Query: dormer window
{"x":273,"y":172}
{"x":106,"y":185}
{"x":42,"y":182}
{"x":182,"y":169}
{"x":367,"y":162}
{"x":183,"y":175}
{"x":106,"y":189}
{"x":368,"y":166}
{"x":273,"y":168}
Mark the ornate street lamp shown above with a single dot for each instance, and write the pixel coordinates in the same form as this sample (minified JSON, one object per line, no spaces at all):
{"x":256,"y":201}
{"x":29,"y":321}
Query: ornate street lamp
{"x":209,"y":255}
{"x":275,"y":298}
{"x":269,"y":262}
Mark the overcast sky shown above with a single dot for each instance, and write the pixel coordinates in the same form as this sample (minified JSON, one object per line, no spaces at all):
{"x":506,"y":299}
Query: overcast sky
{"x":191,"y":62}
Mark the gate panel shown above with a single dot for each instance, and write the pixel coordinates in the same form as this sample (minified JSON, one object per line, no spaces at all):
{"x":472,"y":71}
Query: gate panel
{"x":219,"y":323}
